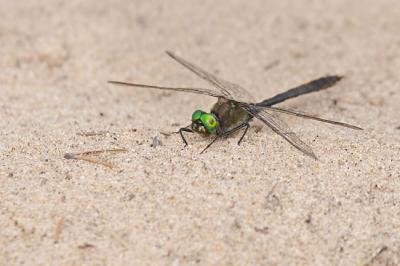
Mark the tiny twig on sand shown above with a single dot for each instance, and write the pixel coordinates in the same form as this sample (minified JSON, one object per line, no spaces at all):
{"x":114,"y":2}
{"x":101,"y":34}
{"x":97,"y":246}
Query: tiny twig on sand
{"x":85,"y":246}
{"x":93,"y":133}
{"x":271,"y":65}
{"x":85,"y":156}
{"x":376,"y":255}
{"x":58,"y":231}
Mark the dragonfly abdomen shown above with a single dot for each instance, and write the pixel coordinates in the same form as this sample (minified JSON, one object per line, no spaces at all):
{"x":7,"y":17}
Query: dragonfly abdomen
{"x":312,"y":86}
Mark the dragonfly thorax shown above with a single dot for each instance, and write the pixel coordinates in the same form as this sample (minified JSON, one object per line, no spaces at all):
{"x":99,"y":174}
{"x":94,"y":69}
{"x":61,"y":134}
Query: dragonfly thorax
{"x":204,"y":123}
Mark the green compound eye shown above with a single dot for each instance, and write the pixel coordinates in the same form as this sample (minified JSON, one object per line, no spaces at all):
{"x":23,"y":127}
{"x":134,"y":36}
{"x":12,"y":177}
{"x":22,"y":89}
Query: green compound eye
{"x":196,"y":115}
{"x":210,"y":122}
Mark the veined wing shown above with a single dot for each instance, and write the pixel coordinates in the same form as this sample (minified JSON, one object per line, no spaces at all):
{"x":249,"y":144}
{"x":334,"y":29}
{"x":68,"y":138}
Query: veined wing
{"x":279,"y":127}
{"x":308,"y":116}
{"x":230,"y":90}
{"x":192,"y":90}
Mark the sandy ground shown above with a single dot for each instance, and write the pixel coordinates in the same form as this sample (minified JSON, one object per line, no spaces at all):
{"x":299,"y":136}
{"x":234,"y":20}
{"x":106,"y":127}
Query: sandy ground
{"x":259,"y":203}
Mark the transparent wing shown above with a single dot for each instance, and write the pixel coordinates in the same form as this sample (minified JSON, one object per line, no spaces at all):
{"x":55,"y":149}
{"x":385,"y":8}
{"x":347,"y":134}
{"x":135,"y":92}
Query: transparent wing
{"x":308,"y":116}
{"x":230,"y":90}
{"x":279,"y":127}
{"x":192,"y":90}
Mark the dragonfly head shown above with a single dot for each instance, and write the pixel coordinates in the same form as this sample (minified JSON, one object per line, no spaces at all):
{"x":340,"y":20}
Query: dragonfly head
{"x":204,"y":123}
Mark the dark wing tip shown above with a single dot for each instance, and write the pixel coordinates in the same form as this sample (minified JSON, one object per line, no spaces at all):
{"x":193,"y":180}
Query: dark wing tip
{"x":69,"y":156}
{"x":117,"y":82}
{"x":171,"y":54}
{"x":311,"y":154}
{"x":356,"y":128}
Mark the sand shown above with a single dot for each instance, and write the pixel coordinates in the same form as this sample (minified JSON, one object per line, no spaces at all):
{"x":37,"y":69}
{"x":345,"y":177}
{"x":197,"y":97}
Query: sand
{"x":261,"y":203}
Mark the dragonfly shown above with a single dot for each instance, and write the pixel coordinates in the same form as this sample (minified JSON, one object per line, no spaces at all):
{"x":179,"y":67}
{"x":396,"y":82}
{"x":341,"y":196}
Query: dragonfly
{"x":236,"y":108}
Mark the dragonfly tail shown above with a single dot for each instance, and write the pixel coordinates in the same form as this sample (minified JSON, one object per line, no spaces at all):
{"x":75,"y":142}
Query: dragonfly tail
{"x":312,"y":86}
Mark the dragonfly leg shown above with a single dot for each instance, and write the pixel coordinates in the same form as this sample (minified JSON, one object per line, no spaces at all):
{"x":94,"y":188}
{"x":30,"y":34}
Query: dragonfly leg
{"x":247,"y":125}
{"x":233,"y":130}
{"x":211,"y":143}
{"x":184,"y":129}
{"x":229,"y":132}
